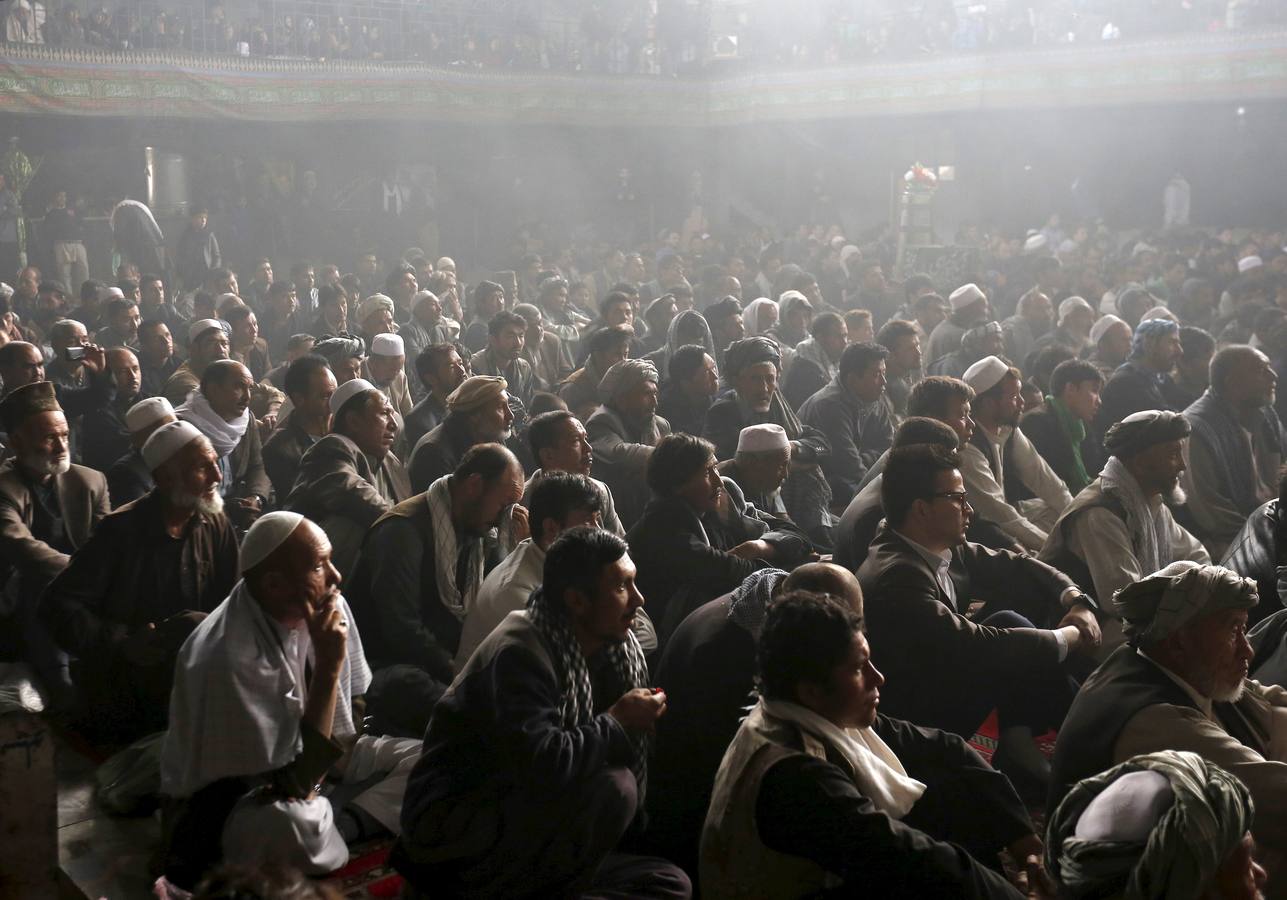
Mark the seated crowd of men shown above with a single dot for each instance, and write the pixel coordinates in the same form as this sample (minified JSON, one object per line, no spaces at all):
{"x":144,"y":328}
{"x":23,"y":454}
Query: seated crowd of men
{"x":642,"y":600}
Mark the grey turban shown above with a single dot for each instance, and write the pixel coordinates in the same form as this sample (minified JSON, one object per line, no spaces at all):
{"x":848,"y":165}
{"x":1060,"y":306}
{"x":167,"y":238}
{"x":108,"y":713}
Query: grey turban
{"x":1156,"y":606}
{"x":1141,"y":430}
{"x":625,"y":375}
{"x":337,"y":349}
{"x":1117,"y":834}
{"x":748,"y":352}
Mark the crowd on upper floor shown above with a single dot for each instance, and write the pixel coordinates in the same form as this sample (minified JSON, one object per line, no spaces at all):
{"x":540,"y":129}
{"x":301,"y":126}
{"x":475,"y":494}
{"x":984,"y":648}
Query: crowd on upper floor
{"x":505,"y":557}
{"x":620,"y":37}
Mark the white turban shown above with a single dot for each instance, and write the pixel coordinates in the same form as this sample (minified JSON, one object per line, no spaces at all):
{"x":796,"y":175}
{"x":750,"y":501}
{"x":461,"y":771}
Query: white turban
{"x":1247,"y":263}
{"x":267,"y":534}
{"x":167,"y":441}
{"x":374,"y":304}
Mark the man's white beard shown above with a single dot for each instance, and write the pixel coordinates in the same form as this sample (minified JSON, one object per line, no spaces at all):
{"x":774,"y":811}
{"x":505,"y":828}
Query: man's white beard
{"x":1176,"y":496}
{"x":1231,"y":694}
{"x":210,"y":504}
{"x":48,"y":465}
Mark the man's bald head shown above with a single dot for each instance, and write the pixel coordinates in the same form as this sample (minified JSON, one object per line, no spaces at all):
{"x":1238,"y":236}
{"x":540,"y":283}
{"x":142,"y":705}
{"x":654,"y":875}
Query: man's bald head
{"x":21,"y":363}
{"x":226,"y":384}
{"x":826,"y":578}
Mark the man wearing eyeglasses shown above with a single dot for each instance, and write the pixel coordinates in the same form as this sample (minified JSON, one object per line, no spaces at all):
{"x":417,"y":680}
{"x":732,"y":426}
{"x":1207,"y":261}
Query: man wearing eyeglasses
{"x":955,"y":667}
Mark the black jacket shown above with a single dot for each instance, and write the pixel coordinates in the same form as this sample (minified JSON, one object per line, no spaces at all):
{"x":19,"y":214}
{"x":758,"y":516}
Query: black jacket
{"x":1256,"y":552}
{"x":439,"y":452}
{"x":678,"y":569}
{"x":946,"y":845}
{"x":394,"y":593}
{"x":941,"y":668}
{"x":1133,"y":388}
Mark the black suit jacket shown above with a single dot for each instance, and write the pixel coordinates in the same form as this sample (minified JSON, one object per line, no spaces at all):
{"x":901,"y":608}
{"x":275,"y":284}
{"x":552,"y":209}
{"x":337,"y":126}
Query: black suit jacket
{"x":941,"y":668}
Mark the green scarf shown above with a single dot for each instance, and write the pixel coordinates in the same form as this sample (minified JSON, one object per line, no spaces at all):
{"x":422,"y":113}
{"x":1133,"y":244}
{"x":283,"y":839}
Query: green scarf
{"x":1075,"y":430}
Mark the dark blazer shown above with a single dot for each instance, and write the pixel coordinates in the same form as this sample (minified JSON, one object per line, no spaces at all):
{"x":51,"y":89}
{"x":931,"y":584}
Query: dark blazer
{"x":282,"y":454}
{"x":424,"y":417}
{"x":941,"y":668}
{"x":128,"y":479}
{"x":104,"y":436}
{"x":678,"y":570}
{"x":439,"y":452}
{"x":82,"y":495}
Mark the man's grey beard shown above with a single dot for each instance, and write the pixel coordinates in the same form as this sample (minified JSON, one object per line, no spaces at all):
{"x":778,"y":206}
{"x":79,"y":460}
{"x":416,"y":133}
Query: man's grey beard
{"x":47,"y":465}
{"x":210,"y":504}
{"x":1175,"y":496}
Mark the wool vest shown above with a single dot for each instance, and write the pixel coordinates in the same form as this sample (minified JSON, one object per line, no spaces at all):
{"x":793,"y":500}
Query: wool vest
{"x":1057,"y":551}
{"x":1122,"y":686}
{"x":735,"y":863}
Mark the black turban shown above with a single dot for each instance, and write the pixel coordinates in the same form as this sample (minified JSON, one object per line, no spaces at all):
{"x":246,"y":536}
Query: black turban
{"x":748,"y":352}
{"x":1141,"y":430}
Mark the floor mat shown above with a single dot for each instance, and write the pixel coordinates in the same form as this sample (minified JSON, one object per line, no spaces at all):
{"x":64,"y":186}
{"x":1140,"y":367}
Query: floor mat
{"x":368,"y":874}
{"x":985,"y":739}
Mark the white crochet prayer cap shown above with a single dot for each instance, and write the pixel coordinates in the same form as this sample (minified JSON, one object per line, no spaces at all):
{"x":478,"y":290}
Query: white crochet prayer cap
{"x":167,"y":441}
{"x":387,"y":345}
{"x":267,"y":534}
{"x":964,"y":296}
{"x":147,"y":412}
{"x":984,"y":374}
{"x":1247,"y":263}
{"x":1101,"y":326}
{"x":760,"y":438}
{"x":347,"y":391}
{"x":201,"y":326}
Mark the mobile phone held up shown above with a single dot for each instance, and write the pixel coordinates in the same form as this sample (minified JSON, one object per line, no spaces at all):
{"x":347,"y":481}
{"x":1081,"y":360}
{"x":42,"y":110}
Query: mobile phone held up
{"x":71,"y":354}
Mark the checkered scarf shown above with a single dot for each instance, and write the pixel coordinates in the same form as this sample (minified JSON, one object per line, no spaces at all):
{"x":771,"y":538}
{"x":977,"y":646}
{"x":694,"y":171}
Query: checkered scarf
{"x":625,"y":659}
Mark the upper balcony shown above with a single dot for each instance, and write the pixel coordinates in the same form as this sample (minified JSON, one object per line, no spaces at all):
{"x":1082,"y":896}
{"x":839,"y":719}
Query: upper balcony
{"x":489,"y":60}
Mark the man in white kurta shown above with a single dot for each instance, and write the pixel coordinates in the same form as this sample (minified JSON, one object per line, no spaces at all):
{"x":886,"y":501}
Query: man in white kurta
{"x":262,"y":712}
{"x":997,"y":444}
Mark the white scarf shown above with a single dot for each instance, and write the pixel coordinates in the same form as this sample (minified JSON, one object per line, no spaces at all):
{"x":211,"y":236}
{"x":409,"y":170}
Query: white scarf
{"x":239,"y":695}
{"x":1148,"y":531}
{"x":876,"y":771}
{"x":446,"y":551}
{"x":223,"y":435}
